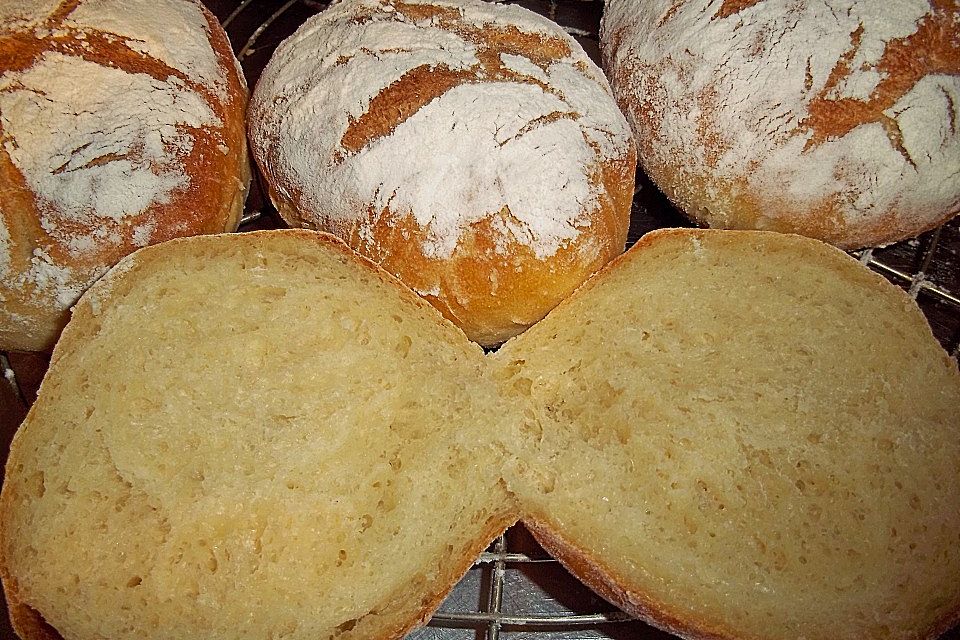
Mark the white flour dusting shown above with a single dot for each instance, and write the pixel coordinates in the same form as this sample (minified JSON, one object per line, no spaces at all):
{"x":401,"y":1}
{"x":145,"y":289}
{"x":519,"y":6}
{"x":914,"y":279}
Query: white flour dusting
{"x":53,"y":279}
{"x":736,"y":98}
{"x":142,"y":234}
{"x":99,"y":146}
{"x":18,"y":13}
{"x":79,"y":150}
{"x":466,"y":154}
{"x":488,"y":159}
{"x":169,"y":36}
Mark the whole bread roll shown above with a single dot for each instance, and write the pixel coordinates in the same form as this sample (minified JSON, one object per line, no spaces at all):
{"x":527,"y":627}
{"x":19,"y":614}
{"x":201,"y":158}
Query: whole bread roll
{"x":731,"y":434}
{"x":836,"y":120}
{"x":471,"y":149}
{"x":121,"y":125}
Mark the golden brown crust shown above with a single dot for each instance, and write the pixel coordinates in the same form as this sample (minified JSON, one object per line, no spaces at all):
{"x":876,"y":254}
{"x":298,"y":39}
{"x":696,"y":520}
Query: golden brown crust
{"x":502,"y":270}
{"x":526,"y":288}
{"x":457,"y":564}
{"x":833,"y":151}
{"x":605,"y":582}
{"x":26,"y":621}
{"x":210,"y":200}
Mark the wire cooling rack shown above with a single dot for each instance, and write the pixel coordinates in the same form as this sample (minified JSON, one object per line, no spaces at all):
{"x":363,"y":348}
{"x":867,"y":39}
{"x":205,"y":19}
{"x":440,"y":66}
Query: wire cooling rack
{"x":515,"y":591}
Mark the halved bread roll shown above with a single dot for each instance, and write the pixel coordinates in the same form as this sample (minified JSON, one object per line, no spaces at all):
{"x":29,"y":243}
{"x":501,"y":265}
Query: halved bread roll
{"x":200,"y":472}
{"x":731,"y":434}
{"x":746,"y":435}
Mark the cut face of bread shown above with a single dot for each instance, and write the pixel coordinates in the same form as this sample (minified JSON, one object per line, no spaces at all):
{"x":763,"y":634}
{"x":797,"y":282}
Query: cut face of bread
{"x":772,"y":438}
{"x":246,"y":443}
{"x":731,"y":434}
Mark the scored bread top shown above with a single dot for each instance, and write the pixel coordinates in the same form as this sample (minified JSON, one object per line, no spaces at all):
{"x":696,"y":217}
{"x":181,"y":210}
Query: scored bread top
{"x":472,"y":149}
{"x":122,"y":126}
{"x":835,"y":120}
{"x":401,"y":104}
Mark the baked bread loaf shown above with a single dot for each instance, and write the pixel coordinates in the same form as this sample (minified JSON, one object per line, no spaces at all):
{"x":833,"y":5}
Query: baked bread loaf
{"x":296,"y":513}
{"x":747,"y":435}
{"x":794,"y":115}
{"x":121,"y":125}
{"x":732,"y":434}
{"x":469,"y":148}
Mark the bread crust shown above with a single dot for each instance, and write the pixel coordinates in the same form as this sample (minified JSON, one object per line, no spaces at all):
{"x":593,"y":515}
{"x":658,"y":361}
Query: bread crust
{"x":469,"y":226}
{"x":27,"y":622}
{"x":460,"y":564}
{"x":604,"y":581}
{"x":156,"y":150}
{"x":841,"y":128}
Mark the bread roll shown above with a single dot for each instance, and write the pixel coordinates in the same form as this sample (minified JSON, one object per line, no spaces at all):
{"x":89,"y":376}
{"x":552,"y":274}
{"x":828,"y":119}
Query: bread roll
{"x":836,"y":121}
{"x":296,"y":513}
{"x":471,"y":149}
{"x":746,"y":435}
{"x":121,"y":125}
{"x":731,"y":434}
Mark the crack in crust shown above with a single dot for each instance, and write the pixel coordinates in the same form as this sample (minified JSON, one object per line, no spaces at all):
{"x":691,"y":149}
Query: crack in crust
{"x":733,"y":7}
{"x":830,"y":118}
{"x":421,"y":85}
{"x":103,"y":48}
{"x":401,"y":100}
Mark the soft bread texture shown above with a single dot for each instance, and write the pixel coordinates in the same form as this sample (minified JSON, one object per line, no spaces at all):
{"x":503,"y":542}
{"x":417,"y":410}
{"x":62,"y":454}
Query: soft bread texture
{"x":257,"y":483}
{"x":795,"y":115}
{"x":731,"y":434}
{"x":122,"y":125}
{"x":778,"y":434}
{"x":472,"y":149}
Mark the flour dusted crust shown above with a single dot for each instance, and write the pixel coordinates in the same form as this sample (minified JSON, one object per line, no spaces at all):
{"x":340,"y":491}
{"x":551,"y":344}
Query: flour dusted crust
{"x":836,"y":120}
{"x":472,"y":149}
{"x":121,"y":125}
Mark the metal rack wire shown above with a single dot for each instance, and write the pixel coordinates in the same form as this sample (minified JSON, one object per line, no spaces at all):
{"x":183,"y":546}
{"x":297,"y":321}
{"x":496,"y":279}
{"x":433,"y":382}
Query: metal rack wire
{"x":514,"y":589}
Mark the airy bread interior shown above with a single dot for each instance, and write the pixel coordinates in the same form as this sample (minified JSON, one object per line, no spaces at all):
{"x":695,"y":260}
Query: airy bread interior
{"x":732,"y":434}
{"x":237,"y":443}
{"x":747,"y":435}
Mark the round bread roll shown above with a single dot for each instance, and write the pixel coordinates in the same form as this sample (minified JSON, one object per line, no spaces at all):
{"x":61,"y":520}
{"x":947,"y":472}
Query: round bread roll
{"x":473,"y":150}
{"x":121,"y":125}
{"x":836,"y":120}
